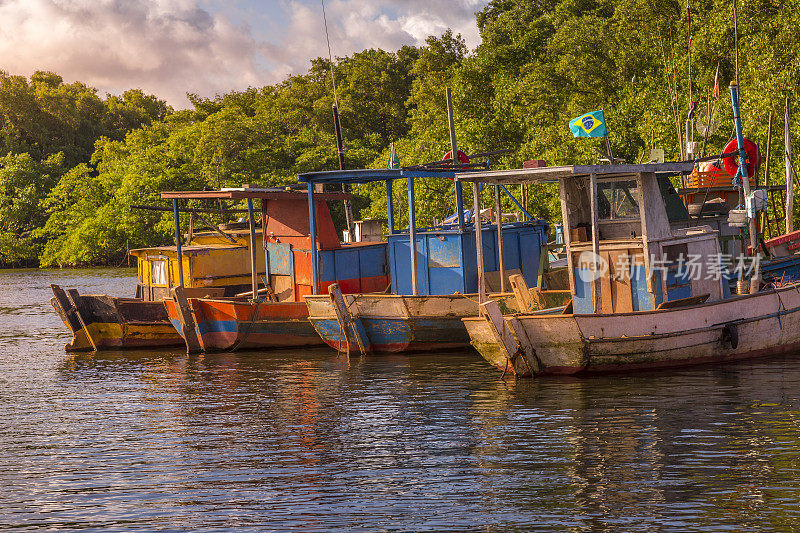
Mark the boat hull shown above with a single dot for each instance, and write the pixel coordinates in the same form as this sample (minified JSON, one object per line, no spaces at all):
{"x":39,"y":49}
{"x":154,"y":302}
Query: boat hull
{"x":110,"y":323}
{"x":228,"y":324}
{"x":762,"y":324}
{"x":397,"y":323}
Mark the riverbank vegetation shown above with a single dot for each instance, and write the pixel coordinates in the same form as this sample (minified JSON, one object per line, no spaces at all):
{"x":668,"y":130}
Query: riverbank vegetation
{"x":74,"y":162}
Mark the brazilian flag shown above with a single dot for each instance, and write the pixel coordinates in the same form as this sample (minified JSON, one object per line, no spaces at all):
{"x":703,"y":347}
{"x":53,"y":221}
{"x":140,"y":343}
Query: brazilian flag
{"x":589,"y":125}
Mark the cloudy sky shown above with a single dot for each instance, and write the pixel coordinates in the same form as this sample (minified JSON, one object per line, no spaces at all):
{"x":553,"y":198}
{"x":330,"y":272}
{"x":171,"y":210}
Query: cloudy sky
{"x":170,"y":47}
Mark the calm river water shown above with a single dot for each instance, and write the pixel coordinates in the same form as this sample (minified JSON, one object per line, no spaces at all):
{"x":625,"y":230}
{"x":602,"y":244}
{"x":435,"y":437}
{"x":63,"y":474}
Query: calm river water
{"x":308,"y":440}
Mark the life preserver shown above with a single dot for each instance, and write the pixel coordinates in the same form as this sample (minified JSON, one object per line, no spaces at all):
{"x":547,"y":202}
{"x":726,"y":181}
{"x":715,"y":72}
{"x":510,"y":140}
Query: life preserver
{"x":731,"y":162}
{"x":462,"y":157}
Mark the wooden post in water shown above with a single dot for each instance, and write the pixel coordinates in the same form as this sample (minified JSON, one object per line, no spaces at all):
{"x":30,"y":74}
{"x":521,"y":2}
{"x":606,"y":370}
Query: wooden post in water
{"x":500,"y":255}
{"x":253,"y":268}
{"x":476,"y":207}
{"x":789,"y":175}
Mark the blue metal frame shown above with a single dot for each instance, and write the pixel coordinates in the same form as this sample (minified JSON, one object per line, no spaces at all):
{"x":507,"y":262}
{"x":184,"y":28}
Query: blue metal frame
{"x":312,"y":229}
{"x":390,"y":205}
{"x":739,"y":135}
{"x":412,"y":237}
{"x":516,"y":202}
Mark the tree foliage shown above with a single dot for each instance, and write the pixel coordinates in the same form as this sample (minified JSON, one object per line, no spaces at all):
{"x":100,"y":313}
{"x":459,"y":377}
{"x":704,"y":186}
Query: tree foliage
{"x":539,"y":65}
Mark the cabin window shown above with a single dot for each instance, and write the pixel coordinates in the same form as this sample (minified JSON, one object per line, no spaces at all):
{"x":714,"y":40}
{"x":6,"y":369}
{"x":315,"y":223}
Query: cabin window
{"x":617,"y":200}
{"x":158,"y":273}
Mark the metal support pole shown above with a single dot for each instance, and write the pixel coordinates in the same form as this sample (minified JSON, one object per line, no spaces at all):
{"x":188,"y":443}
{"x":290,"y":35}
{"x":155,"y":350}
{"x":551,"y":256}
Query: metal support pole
{"x":500,"y":255}
{"x":312,"y":230}
{"x":454,"y":152}
{"x":476,"y":207}
{"x":743,"y":161}
{"x":412,"y":238}
{"x":176,"y":214}
{"x":524,"y":210}
{"x":253,"y":269}
{"x":390,"y":205}
{"x":789,"y":175}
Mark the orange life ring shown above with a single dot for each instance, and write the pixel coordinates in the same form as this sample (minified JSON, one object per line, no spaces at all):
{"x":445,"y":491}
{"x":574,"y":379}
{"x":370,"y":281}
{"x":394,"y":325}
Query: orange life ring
{"x":731,"y":162}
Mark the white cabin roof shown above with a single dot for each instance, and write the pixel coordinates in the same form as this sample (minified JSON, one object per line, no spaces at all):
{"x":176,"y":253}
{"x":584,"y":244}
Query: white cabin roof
{"x":534,"y":175}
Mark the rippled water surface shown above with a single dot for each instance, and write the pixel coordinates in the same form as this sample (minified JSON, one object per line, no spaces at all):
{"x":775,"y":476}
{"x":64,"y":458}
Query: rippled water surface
{"x":308,"y":440}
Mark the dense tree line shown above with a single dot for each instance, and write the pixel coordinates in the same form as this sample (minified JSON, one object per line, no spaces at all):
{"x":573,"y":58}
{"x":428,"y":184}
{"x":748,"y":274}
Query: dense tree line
{"x":75,"y":161}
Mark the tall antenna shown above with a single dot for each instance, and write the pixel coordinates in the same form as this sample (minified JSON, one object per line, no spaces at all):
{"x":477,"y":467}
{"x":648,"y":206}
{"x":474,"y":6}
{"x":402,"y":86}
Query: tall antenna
{"x":330,"y":55}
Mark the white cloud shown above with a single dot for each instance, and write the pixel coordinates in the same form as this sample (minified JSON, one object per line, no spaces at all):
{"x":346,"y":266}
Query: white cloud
{"x":170,"y":47}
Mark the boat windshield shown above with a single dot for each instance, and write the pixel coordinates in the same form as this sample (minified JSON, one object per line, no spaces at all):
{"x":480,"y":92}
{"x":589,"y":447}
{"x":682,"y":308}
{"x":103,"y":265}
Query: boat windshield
{"x":617,"y":200}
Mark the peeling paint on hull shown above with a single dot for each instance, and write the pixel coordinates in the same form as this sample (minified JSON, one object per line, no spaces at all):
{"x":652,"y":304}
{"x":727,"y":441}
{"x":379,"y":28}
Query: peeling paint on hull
{"x":223,"y":325}
{"x":117,"y":324}
{"x":767,"y":323}
{"x":392,"y":335}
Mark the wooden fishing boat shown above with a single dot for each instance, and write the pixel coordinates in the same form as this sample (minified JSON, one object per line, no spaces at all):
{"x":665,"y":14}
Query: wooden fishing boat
{"x":101,"y":322}
{"x":635,"y":303}
{"x":434,"y":287}
{"x":211,"y":265}
{"x":740,"y":327}
{"x":273,"y":314}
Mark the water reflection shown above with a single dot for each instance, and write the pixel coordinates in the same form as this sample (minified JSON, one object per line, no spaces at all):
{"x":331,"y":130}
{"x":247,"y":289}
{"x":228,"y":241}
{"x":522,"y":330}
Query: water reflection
{"x":317,"y":441}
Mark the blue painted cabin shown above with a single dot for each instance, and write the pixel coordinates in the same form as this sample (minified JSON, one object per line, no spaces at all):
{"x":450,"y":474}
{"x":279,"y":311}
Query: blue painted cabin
{"x":446,"y":260}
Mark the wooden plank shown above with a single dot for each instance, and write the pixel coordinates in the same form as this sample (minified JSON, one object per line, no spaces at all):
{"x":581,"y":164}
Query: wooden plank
{"x":352,"y":328}
{"x":504,"y":338}
{"x":683,"y":302}
{"x":606,"y":296}
{"x":65,"y":308}
{"x":680,"y":166}
{"x":204,"y":292}
{"x":622,"y":295}
{"x":521,"y":292}
{"x":186,"y":318}
{"x":567,"y":225}
{"x":596,"y":297}
{"x":75,"y":300}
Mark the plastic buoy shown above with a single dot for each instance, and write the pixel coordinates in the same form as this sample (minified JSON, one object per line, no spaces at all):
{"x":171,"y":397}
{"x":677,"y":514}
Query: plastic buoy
{"x":731,"y":162}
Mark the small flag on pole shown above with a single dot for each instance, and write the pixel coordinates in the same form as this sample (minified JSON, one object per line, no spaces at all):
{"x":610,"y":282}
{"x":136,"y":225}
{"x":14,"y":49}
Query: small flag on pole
{"x":589,"y":125}
{"x":394,"y":161}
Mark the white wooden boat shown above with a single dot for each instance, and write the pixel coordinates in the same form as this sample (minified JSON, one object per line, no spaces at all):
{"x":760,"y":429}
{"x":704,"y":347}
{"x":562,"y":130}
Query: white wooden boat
{"x":634,"y":306}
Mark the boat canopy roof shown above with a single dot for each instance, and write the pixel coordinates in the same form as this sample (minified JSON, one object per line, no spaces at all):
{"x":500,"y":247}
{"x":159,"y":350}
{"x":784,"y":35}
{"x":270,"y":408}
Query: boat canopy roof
{"x":238,"y":193}
{"x":550,"y":174}
{"x":370,"y":175}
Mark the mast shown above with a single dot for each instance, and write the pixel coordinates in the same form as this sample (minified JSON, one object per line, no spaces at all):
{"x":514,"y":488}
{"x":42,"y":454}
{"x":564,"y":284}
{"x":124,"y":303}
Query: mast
{"x":789,"y":174}
{"x":454,"y":151}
